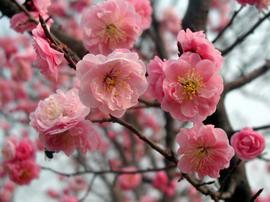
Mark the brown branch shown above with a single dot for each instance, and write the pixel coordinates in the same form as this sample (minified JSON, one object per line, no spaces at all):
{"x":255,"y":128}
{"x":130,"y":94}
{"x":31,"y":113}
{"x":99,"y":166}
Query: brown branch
{"x":245,"y":79}
{"x":196,"y":15}
{"x":256,"y":195}
{"x":104,"y":172}
{"x":245,"y":35}
{"x":228,"y":25}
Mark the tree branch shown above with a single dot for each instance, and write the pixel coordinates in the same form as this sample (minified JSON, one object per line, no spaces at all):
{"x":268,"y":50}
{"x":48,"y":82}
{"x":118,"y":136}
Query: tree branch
{"x":245,"y":79}
{"x":245,"y":35}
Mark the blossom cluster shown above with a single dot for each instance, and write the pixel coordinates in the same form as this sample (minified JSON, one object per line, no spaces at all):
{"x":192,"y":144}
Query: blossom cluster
{"x":19,"y":160}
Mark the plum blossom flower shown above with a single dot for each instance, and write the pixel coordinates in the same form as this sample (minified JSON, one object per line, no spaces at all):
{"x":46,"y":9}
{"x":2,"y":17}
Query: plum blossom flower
{"x":196,"y":42}
{"x":109,"y":25}
{"x":113,"y":83}
{"x":23,"y":172}
{"x":204,"y":150}
{"x":8,"y":150}
{"x":260,"y":4}
{"x":83,"y":137}
{"x":248,"y":144}
{"x":192,"y":88}
{"x":155,"y":78}
{"x":48,"y":59}
{"x":144,"y":9}
{"x":58,"y":113}
{"x":129,"y":181}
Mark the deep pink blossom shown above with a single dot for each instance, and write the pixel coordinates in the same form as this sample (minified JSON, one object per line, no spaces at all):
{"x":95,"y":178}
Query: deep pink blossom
{"x":192,"y":88}
{"x":155,"y":70}
{"x":204,"y":150}
{"x":109,"y":25}
{"x":48,"y":59}
{"x":58,"y":113}
{"x":248,"y":144}
{"x":113,"y":83}
{"x":83,"y":137}
{"x":144,"y":9}
{"x":129,"y":181}
{"x":23,"y":172}
{"x":196,"y":42}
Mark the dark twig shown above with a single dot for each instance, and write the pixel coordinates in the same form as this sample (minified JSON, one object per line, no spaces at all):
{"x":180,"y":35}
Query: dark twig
{"x":256,"y":195}
{"x":228,"y":25}
{"x":242,"y":80}
{"x":245,"y":35}
{"x":104,"y":172}
{"x":88,"y":189}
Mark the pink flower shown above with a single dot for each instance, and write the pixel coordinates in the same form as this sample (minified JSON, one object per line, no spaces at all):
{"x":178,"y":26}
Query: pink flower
{"x":248,"y":144}
{"x":41,"y":6}
{"x":79,"y":5}
{"x":129,"y":181}
{"x":170,"y":21}
{"x":67,"y":198}
{"x":204,"y":150}
{"x":83,"y":136}
{"x":8,"y":150}
{"x":20,"y":22}
{"x":48,"y":59}
{"x":21,"y":65}
{"x":196,"y":42}
{"x":110,"y":25}
{"x":260,"y":4}
{"x":161,"y":180}
{"x":58,"y":113}
{"x":113,"y":83}
{"x":23,"y":172}
{"x":192,"y":88}
{"x":155,"y":78}
{"x":25,"y":149}
{"x":144,"y":9}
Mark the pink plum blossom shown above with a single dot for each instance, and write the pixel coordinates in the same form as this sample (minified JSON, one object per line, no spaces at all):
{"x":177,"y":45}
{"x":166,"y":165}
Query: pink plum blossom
{"x":20,"y":22}
{"x":196,"y":42}
{"x":83,"y":137}
{"x":23,"y":172}
{"x":248,"y":144}
{"x":260,"y":4}
{"x":48,"y":59}
{"x":8,"y":150}
{"x":204,"y":150}
{"x":170,"y":21}
{"x":58,"y":113}
{"x":192,"y":88}
{"x":155,"y":78}
{"x":144,"y":10}
{"x":113,"y":83}
{"x":129,"y":181}
{"x":21,"y":65}
{"x":109,"y":25}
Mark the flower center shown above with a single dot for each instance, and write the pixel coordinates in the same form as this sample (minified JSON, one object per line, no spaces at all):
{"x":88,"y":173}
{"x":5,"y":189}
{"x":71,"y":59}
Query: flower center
{"x":191,"y":84}
{"x":53,"y":110}
{"x":202,"y":152}
{"x":113,"y":33}
{"x":110,"y":82}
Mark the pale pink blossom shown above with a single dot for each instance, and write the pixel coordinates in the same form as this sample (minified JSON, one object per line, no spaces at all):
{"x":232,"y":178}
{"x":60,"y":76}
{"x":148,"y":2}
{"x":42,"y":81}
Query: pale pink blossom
{"x":58,"y":113}
{"x":8,"y":150}
{"x":21,"y":65}
{"x":77,"y":184}
{"x":41,"y":6}
{"x":48,"y":59}
{"x":23,"y":172}
{"x":196,"y":42}
{"x":155,"y":70}
{"x":109,"y":25}
{"x":170,"y":21}
{"x":192,"y":88}
{"x":144,"y":9}
{"x":129,"y":181}
{"x":113,"y":83}
{"x":204,"y":150}
{"x":248,"y":144}
{"x":260,"y":4}
{"x":83,"y":137}
{"x":67,"y":198}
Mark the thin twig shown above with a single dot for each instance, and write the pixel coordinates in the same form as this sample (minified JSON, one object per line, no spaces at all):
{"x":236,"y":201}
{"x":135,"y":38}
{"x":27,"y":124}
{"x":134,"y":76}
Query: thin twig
{"x":256,"y":195}
{"x":228,"y":25}
{"x":88,"y":189}
{"x":245,"y":35}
